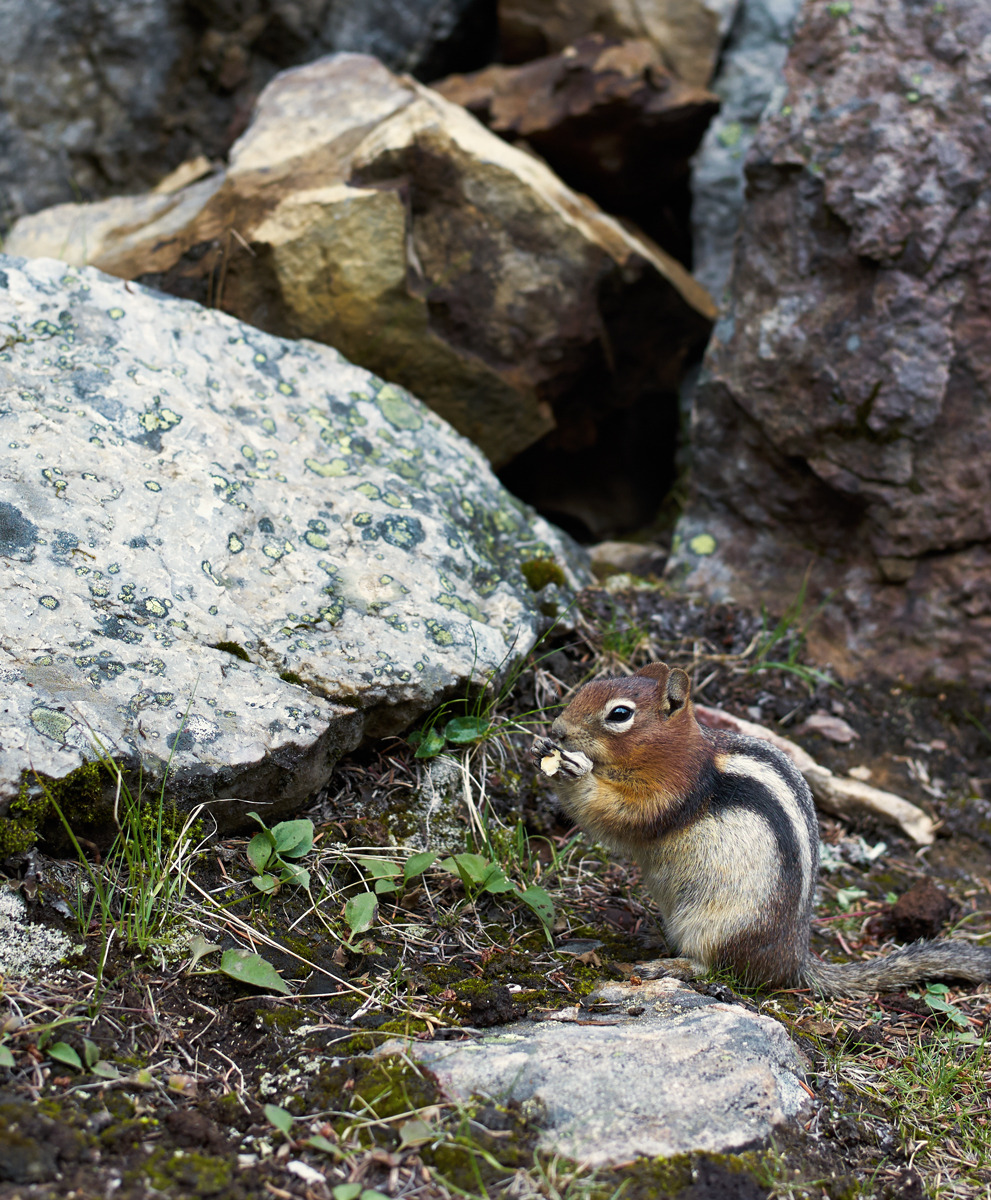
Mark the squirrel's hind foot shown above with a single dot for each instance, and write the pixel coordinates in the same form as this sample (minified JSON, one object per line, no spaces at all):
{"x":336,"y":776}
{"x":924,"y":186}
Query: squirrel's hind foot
{"x":677,"y":968}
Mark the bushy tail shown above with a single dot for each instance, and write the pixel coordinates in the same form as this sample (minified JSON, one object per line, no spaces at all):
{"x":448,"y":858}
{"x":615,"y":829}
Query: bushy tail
{"x":945,"y":959}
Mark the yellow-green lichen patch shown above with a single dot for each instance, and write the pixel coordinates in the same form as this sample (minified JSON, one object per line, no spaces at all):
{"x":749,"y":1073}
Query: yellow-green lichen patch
{"x":328,"y":470}
{"x":51,"y":722}
{"x":703,"y":544}
{"x":397,"y":409}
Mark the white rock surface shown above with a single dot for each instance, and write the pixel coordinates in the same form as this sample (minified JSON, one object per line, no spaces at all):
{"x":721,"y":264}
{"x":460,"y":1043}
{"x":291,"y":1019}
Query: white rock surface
{"x":688,"y":1074}
{"x":172,"y":480}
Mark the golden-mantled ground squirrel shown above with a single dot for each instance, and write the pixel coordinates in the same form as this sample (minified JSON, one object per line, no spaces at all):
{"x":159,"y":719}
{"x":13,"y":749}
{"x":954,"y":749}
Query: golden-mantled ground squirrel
{"x":724,"y":830}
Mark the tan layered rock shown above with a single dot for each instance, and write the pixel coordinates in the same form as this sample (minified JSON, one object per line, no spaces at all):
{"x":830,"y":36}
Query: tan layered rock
{"x":363,"y":210}
{"x":687,"y":33}
{"x":610,"y":118}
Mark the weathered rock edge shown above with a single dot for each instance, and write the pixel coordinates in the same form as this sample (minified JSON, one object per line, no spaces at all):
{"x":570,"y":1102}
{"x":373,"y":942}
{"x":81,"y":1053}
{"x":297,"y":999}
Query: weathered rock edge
{"x":236,"y":549}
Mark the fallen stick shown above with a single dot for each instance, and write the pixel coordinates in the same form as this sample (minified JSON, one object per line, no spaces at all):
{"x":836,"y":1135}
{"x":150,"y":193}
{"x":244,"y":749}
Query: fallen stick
{"x":836,"y":794}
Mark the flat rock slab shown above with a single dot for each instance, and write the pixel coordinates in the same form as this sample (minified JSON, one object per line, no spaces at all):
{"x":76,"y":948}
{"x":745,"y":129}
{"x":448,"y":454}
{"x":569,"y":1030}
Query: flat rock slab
{"x":689,"y":1073}
{"x":233,"y":548}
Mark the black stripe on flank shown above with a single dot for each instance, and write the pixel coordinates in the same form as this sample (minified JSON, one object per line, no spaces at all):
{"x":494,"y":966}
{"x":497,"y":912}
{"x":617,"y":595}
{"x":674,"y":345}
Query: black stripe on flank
{"x":764,"y":752}
{"x":744,"y":791}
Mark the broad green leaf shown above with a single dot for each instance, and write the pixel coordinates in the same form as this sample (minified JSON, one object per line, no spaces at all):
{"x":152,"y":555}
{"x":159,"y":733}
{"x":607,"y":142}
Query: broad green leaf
{"x":359,"y":912}
{"x":91,"y":1052}
{"x":951,"y":1010}
{"x":498,"y":884}
{"x":372,"y":1194}
{"x":293,"y":839}
{"x":347,"y":1191}
{"x":105,"y":1070}
{"x":540,"y":902}
{"x":246,"y":967}
{"x":493,"y":875}
{"x":281,"y":1119}
{"x":380,"y":868}
{"x":462,"y":730}
{"x":415,"y":1133}
{"x":384,"y":886}
{"x":6,"y":1057}
{"x":295,"y":874}
{"x":319,"y":1142}
{"x":428,"y":742}
{"x":265,"y":883}
{"x":199,"y":947}
{"x":471,"y":867}
{"x":64,"y":1053}
{"x":416,"y":864}
{"x":260,"y":850}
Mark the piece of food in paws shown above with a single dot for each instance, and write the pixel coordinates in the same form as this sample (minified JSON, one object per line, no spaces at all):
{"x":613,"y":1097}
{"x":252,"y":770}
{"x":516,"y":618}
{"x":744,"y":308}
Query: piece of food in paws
{"x":550,"y":762}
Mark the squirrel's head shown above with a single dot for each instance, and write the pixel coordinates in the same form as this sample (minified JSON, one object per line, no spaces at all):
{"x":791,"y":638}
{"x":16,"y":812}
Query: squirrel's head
{"x":632,"y":722}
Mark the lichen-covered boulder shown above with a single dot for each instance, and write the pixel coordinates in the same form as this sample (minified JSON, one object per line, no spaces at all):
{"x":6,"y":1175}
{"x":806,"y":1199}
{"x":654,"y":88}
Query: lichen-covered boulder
{"x":241,"y":551}
{"x":843,"y":419}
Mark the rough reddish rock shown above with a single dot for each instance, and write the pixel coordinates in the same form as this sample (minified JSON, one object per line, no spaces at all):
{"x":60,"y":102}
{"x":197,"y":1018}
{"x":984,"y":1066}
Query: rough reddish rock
{"x":609,"y":118}
{"x":844,"y":415}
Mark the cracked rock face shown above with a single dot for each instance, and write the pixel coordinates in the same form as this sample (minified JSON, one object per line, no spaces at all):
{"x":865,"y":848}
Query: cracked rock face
{"x":844,"y":412}
{"x":687,"y":1073}
{"x":241,"y":550}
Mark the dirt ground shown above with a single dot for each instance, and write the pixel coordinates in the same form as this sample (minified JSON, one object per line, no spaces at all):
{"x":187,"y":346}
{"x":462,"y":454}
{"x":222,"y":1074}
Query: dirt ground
{"x":187,"y":1059}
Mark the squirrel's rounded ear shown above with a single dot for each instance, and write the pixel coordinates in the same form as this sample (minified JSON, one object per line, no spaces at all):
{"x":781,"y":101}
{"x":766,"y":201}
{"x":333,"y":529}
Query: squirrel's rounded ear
{"x":678,"y":689}
{"x":655,"y":670}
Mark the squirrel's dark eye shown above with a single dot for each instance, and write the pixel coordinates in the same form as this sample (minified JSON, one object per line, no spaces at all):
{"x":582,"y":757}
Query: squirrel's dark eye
{"x":620,"y":714}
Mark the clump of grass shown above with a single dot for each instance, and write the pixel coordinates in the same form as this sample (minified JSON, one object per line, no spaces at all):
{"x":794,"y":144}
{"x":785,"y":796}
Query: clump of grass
{"x":782,"y":647}
{"x":135,"y":893}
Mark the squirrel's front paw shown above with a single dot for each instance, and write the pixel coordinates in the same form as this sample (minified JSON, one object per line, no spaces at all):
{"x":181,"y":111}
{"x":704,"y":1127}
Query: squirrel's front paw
{"x":552,"y":760}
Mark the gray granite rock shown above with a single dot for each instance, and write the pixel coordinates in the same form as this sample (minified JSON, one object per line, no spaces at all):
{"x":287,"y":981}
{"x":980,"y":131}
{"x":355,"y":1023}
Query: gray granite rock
{"x":80,"y":96}
{"x":235,"y":548}
{"x":688,"y":1073}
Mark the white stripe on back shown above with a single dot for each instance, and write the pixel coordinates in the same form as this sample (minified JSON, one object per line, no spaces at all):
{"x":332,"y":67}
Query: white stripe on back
{"x":779,"y":787}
